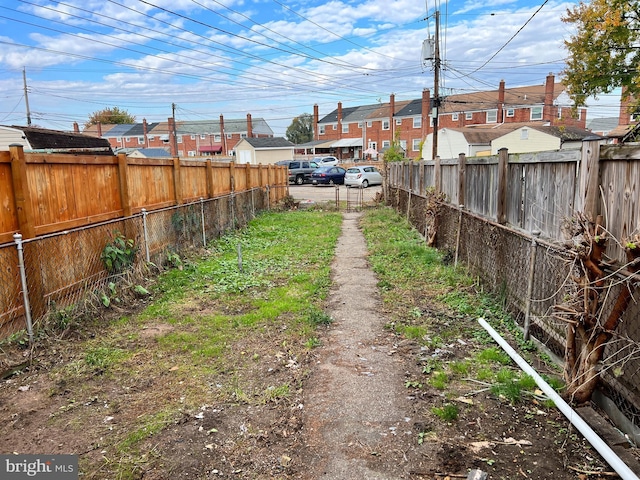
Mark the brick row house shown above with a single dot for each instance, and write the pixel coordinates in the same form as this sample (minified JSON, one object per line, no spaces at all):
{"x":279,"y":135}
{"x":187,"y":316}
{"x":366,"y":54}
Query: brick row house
{"x":353,"y":131}
{"x":182,"y":138}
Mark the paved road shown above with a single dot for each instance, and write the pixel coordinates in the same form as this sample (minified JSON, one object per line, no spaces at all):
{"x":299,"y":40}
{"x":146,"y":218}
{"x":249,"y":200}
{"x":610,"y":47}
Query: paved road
{"x":328,"y":193}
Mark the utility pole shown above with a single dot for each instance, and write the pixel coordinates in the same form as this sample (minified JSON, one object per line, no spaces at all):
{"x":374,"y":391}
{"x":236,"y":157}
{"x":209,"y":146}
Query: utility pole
{"x":175,"y":129}
{"x":436,"y":86}
{"x":26,"y":96}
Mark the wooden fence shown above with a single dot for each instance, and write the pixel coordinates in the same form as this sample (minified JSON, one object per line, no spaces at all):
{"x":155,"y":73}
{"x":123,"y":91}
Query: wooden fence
{"x":538,"y":192}
{"x":45,"y":193}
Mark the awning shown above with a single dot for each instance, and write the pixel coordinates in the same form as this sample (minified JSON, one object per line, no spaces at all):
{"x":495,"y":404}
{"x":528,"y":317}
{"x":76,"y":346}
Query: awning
{"x":347,"y":142}
{"x":211,"y":149}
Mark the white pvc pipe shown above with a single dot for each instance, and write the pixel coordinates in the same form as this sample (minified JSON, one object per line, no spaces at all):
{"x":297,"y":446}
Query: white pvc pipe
{"x":592,"y":437}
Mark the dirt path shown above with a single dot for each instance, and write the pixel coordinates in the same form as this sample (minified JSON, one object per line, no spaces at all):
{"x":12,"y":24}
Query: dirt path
{"x":358,"y":418}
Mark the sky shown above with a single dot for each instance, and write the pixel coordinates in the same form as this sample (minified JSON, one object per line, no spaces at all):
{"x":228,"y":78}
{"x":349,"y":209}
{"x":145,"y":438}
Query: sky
{"x":273,"y":59}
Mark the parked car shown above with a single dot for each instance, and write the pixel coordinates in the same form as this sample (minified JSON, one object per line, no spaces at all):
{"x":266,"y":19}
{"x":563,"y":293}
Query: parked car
{"x":326,"y":161}
{"x":362,"y":176}
{"x":328,"y":176}
{"x":299,"y":170}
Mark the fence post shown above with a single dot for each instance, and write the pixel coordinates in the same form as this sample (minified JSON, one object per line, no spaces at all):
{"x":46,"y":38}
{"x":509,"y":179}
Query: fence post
{"x":503,"y":163}
{"x":25,"y":291}
{"x":532,"y":272}
{"x":462,"y":170}
{"x":204,"y":234}
{"x":177,"y":180}
{"x":22,"y":192}
{"x":145,"y":233}
{"x":210,"y":185}
{"x":232,"y":172}
{"x":123,"y":176}
{"x":437,"y":174}
{"x":249,"y":185}
{"x":589,"y":180}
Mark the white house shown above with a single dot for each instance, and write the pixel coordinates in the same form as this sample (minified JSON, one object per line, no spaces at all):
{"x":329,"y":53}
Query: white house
{"x":263,"y":150}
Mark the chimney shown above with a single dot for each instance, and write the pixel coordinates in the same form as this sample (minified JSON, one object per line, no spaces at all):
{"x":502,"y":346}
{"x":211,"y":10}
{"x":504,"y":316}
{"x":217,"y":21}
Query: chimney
{"x":316,"y":119}
{"x":145,"y":131}
{"x":76,"y":128}
{"x":339,"y":120}
{"x":547,"y":110}
{"x":426,"y":112}
{"x":392,"y":111}
{"x":223,"y":138}
{"x":624,"y":117}
{"x":99,"y":125}
{"x":501,"y":102}
{"x":249,"y":126}
{"x":173,"y":139}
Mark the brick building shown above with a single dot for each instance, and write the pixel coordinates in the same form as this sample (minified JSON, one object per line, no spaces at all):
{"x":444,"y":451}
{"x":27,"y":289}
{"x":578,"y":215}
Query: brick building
{"x":356,"y":129}
{"x":183,"y":138}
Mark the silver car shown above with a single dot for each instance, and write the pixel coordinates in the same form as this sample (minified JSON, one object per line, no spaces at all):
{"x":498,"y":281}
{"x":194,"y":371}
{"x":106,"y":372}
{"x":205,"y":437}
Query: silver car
{"x":362,"y":176}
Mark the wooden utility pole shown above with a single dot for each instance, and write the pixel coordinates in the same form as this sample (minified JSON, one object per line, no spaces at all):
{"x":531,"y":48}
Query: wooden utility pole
{"x":26,"y":96}
{"x":436,"y":86}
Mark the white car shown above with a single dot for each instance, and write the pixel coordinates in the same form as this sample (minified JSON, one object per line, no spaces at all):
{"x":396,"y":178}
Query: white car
{"x":362,"y":176}
{"x":326,"y":161}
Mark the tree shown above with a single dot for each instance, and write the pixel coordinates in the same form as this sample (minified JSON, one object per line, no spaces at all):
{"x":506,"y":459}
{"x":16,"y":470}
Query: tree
{"x":301,"y":129}
{"x":110,"y":116}
{"x":603,"y":54}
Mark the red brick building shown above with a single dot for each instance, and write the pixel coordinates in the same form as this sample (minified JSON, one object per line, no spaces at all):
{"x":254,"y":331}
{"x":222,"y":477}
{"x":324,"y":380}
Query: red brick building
{"x":183,"y":138}
{"x":353,"y":130}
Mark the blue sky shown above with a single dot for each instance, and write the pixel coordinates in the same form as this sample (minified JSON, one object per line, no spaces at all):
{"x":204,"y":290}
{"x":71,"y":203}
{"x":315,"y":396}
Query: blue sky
{"x":274,"y":59}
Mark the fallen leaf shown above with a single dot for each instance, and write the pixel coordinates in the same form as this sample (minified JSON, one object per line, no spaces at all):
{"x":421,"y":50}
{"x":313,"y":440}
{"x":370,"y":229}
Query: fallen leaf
{"x":477,"y":446}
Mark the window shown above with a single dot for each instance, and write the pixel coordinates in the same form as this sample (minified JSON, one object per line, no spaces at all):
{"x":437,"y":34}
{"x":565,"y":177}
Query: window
{"x":524,"y":134}
{"x":127,"y":139}
{"x":179,"y":138}
{"x":345,"y":128}
{"x":369,"y":124}
{"x":373,"y":145}
{"x":431,"y":121}
{"x":536,"y":113}
{"x":403,"y":144}
{"x":416,"y":144}
{"x":511,"y":112}
{"x":243,"y":135}
{"x":360,"y":124}
{"x":151,"y":138}
{"x":398,"y":121}
{"x":560,"y":112}
{"x":216,"y":138}
{"x":191,"y":153}
{"x":229,"y":136}
{"x":417,"y":122}
{"x":468,"y":116}
{"x":140,"y":140}
{"x":386,"y":144}
{"x":321,"y":129}
{"x":193,"y":137}
{"x":335,"y":126}
{"x":385,"y":124}
{"x":492,"y":116}
{"x":118,"y":139}
{"x":454,"y":117}
{"x":203,"y":136}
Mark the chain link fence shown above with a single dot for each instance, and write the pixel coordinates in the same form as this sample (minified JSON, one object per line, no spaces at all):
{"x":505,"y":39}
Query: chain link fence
{"x":531,"y":276}
{"x":47,"y":281}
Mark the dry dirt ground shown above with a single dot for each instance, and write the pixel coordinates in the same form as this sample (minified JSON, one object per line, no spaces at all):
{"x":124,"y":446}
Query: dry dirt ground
{"x":354,"y":413}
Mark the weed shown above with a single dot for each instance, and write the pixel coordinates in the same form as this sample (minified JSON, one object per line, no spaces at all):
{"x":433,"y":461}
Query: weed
{"x":102,"y":359}
{"x":448,"y":412}
{"x":495,"y":355}
{"x":459,"y":368}
{"x":273,"y":394}
{"x":318,"y":317}
{"x":119,"y":254}
{"x":412,"y":384}
{"x":439,"y":380}
{"x":312,"y":342}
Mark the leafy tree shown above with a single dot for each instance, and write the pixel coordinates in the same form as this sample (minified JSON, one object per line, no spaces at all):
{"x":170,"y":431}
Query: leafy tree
{"x":603,"y":54}
{"x":301,"y":129}
{"x":110,"y":116}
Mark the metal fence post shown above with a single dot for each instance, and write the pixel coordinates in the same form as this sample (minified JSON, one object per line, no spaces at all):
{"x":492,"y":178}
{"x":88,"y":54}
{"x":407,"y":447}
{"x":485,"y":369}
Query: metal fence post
{"x":204,"y":234}
{"x":23,"y":280}
{"x":532,"y":270}
{"x":145,"y":231}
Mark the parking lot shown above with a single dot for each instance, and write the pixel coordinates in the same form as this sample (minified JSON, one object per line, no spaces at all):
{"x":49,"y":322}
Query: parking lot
{"x":353,"y":197}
